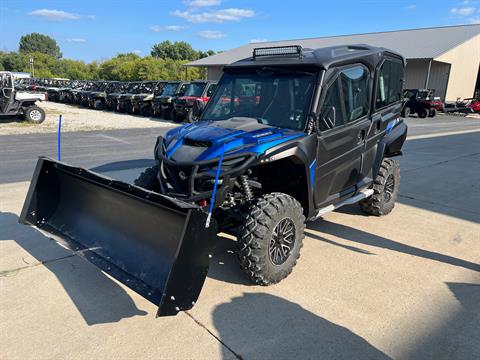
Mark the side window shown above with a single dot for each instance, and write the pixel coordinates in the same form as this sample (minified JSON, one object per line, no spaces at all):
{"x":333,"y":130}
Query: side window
{"x":332,"y":101}
{"x":355,"y":88}
{"x":211,"y":89}
{"x":389,"y":83}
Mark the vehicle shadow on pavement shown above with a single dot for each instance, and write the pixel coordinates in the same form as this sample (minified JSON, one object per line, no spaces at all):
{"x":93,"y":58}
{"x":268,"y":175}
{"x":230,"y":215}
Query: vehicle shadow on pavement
{"x":98,"y":298}
{"x":361,"y":237}
{"x":265,"y":326}
{"x":457,"y":336}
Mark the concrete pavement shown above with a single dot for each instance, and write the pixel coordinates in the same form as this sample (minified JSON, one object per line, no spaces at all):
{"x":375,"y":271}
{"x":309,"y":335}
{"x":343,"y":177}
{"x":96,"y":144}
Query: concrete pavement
{"x":404,"y":286}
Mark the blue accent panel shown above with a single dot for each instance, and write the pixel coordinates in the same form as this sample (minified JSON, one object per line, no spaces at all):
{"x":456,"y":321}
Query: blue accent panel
{"x":313,"y":167}
{"x":391,"y":124}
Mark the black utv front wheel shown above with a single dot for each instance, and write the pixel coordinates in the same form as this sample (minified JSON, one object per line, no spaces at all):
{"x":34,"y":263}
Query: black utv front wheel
{"x":34,"y":114}
{"x":406,"y":112}
{"x":98,"y":104}
{"x":148,"y":179}
{"x":270,"y":238}
{"x":385,"y":190}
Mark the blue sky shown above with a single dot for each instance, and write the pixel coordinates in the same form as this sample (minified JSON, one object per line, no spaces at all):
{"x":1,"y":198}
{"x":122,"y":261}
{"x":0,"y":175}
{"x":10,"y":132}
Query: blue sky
{"x":96,"y":30}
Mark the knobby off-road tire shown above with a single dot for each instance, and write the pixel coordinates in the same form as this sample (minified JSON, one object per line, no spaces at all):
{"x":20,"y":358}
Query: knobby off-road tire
{"x":406,"y":112}
{"x":432,"y":113}
{"x":423,"y":113}
{"x":148,"y":179}
{"x":98,"y":104}
{"x":34,"y":114}
{"x":260,"y":243}
{"x":385,"y":190}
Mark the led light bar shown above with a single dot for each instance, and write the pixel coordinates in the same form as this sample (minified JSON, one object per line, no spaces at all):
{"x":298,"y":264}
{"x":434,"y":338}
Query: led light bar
{"x":277,"y":51}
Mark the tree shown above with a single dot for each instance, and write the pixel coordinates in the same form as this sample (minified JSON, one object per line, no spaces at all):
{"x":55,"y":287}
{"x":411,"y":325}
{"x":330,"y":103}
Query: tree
{"x":36,"y":42}
{"x":179,"y":50}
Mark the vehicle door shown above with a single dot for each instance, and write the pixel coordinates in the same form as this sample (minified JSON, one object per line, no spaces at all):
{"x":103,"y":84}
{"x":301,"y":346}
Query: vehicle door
{"x":387,"y":104}
{"x":343,"y":125}
{"x":7,"y":92}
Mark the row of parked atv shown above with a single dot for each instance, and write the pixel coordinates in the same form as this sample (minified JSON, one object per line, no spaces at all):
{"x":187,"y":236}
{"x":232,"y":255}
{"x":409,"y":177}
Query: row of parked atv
{"x":172,"y":100}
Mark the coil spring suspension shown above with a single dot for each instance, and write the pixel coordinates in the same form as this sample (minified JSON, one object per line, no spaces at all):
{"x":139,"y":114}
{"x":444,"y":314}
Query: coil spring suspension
{"x":246,"y":187}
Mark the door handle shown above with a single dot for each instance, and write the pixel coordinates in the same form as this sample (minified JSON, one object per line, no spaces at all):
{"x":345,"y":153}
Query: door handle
{"x":361,"y":135}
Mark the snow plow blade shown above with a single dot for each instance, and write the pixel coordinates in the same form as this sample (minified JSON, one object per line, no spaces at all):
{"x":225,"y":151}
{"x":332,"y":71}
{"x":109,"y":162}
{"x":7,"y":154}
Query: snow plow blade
{"x":156,"y":245}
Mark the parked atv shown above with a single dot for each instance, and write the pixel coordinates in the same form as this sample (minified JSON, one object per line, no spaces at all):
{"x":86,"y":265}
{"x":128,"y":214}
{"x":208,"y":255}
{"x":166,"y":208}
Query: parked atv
{"x":115,"y":92}
{"x":96,"y":97}
{"x":124,"y":101}
{"x":288,"y":135}
{"x":421,"y":102}
{"x":195,"y":91}
{"x":142,"y":102}
{"x":54,"y":88}
{"x":67,"y":95}
{"x":13,"y":102}
{"x":162,"y":105}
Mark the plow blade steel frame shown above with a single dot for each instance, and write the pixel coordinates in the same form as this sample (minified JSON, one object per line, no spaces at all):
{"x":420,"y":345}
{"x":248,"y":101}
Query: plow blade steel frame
{"x":156,"y":245}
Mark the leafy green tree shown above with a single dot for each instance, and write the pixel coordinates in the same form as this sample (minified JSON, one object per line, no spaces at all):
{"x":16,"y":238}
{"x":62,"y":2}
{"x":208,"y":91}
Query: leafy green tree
{"x":36,"y":42}
{"x":179,"y":50}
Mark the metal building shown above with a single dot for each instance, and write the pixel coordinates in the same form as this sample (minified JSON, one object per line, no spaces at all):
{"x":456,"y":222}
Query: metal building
{"x":446,"y":59}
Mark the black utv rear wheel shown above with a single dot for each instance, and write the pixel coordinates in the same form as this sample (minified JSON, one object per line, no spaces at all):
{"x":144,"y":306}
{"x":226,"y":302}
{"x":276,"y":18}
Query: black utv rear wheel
{"x":270,"y":238}
{"x":433,"y":113}
{"x":423,"y":113}
{"x":34,"y":114}
{"x":385,"y":190}
{"x":149,"y":179}
{"x":166,"y":114}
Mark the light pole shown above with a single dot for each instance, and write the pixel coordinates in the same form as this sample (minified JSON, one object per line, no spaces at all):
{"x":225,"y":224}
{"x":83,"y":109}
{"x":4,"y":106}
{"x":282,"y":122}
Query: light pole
{"x":31,"y":66}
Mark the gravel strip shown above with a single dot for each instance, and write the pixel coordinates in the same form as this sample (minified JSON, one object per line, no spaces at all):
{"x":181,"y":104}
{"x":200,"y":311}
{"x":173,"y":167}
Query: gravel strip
{"x":78,"y":119}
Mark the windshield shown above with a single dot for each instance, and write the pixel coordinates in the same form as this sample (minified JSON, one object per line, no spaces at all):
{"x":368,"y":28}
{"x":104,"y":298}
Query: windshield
{"x":274,"y":98}
{"x":146,"y":87}
{"x":169,"y":89}
{"x":195,"y":89}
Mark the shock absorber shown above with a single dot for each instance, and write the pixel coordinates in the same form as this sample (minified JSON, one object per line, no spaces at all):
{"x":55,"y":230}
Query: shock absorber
{"x":246,"y":187}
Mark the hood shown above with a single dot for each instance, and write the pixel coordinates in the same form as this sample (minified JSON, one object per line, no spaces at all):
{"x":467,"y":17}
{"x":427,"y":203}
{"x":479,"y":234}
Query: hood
{"x":143,"y":97}
{"x":204,"y":140}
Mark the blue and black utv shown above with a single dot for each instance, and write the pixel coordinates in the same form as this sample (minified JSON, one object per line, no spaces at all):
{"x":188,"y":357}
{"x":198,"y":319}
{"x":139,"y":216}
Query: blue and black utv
{"x":288,"y":135}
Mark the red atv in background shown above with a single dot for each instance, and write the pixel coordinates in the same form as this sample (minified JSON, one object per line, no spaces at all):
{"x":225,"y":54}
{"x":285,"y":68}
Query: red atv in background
{"x":421,"y":102}
{"x":196,"y":94}
{"x":473,"y":104}
{"x":465,"y":106}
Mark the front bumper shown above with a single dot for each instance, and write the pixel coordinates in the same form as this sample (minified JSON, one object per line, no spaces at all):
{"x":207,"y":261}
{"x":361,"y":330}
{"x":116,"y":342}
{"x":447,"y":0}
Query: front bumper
{"x":194,"y":181}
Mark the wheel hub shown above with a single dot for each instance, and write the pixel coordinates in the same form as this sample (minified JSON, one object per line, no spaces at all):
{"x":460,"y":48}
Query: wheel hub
{"x":389,"y":187}
{"x":282,"y":241}
{"x":35,"y":115}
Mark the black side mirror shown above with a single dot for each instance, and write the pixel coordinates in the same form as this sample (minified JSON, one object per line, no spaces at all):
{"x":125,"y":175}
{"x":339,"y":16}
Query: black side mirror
{"x":327,"y":118}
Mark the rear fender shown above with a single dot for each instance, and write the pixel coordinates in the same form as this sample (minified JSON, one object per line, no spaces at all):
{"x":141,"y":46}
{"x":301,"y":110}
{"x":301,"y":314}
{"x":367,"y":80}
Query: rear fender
{"x":390,"y":145}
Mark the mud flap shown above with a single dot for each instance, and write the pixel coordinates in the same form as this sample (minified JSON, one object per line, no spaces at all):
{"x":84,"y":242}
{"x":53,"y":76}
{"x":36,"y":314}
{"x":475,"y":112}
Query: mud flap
{"x":156,"y":245}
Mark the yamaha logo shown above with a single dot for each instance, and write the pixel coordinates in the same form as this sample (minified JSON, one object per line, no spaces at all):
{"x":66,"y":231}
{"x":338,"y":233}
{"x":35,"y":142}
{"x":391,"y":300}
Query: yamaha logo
{"x":182,"y":175}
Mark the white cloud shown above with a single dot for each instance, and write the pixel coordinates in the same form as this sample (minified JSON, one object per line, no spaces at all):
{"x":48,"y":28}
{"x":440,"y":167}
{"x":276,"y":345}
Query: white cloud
{"x":202,"y":3}
{"x":218,"y":16}
{"x":54,"y":15}
{"x":158,"y":28}
{"x":412,"y":7}
{"x":212,"y":34}
{"x":77,"y":40}
{"x":175,"y":27}
{"x":463,"y":11}
{"x":253,"y":41}
{"x":137,"y":52}
{"x":474,"y":20}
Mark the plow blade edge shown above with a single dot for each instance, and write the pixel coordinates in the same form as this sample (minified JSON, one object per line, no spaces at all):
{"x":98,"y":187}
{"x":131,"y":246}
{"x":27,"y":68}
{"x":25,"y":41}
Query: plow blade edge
{"x":156,"y":245}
